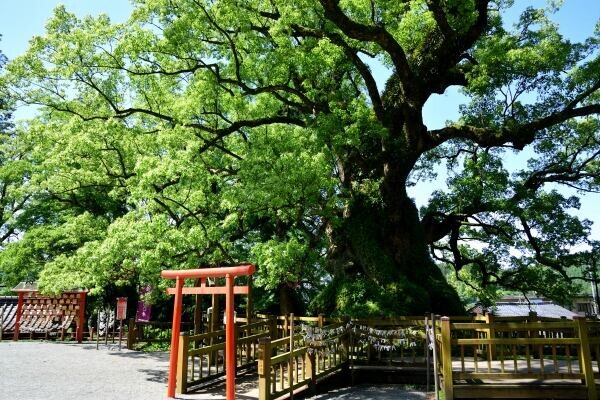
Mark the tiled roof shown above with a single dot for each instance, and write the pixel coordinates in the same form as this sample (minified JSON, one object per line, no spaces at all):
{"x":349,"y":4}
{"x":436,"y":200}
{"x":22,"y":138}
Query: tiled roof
{"x":26,"y":287}
{"x":33,"y":287}
{"x":544,"y":309}
{"x":8,"y":300}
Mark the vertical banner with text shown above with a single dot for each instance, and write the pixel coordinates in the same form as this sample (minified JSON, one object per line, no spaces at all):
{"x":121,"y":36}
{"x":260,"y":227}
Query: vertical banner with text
{"x":143,"y":308}
{"x":121,"y":308}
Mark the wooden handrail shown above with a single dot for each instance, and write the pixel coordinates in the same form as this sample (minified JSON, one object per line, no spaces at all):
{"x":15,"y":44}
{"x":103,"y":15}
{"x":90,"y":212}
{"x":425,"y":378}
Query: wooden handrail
{"x":517,"y":341}
{"x":295,"y":364}
{"x":496,"y":347}
{"x":544,"y":342}
{"x":513,"y":325}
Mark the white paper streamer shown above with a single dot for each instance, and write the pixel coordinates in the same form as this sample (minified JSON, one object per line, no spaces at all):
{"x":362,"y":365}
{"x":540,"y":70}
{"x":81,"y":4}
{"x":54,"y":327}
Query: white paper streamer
{"x":324,"y":338}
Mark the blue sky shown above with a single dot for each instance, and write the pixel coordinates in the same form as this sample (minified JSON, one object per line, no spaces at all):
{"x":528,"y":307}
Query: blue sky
{"x":22,"y":19}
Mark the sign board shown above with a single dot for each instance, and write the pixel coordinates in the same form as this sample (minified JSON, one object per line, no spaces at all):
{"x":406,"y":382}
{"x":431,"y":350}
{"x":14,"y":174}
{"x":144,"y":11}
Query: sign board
{"x":121,"y":308}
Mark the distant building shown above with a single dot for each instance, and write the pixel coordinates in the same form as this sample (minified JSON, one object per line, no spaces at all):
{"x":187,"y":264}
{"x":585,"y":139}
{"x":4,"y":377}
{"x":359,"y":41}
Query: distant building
{"x":519,"y":306}
{"x":584,"y":305}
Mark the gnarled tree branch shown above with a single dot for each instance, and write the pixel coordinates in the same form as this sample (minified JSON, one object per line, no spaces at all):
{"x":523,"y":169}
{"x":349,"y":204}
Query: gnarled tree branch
{"x":518,"y":136}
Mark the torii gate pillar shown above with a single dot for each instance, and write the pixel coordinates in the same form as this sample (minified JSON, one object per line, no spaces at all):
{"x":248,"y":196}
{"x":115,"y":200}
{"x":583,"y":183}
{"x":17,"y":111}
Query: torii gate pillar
{"x":229,"y":273}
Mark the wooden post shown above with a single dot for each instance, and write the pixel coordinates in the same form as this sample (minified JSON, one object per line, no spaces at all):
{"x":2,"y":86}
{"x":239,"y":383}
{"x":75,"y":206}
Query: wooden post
{"x":114,"y":326}
{"x":586,"y":357}
{"x":81,"y":316}
{"x":213,"y":357}
{"x":345,"y":354}
{"x":238,"y":333}
{"x":428,"y":359}
{"x":436,"y":382}
{"x":351,"y":356}
{"x":532,"y":317}
{"x":272,"y":327}
{"x":130,"y":333}
{"x":369,"y":346}
{"x":264,"y":369}
{"x":447,"y":359}
{"x":120,"y":332}
{"x":214,"y":317}
{"x":98,"y":331}
{"x":310,"y":368}
{"x":321,"y":320}
{"x":18,"y":316}
{"x":198,"y":328}
{"x":182,"y":363}
{"x":291,"y":359}
{"x":491,"y":334}
{"x":249,"y":304}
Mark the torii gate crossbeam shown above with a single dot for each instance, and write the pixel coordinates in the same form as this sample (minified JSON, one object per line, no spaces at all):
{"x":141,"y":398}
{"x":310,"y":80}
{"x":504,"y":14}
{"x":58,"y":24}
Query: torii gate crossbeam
{"x":229,"y":273}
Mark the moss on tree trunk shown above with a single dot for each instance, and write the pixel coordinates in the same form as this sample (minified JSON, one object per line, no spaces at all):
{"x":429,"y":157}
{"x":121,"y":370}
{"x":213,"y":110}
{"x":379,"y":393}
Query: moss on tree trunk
{"x":382,"y":267}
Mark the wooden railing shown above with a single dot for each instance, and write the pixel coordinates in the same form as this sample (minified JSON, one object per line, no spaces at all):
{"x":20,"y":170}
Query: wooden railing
{"x":282,"y":323}
{"x":287,"y":364}
{"x":315,"y":347}
{"x":528,"y":359}
{"x":481,"y":357}
{"x":201,"y":356}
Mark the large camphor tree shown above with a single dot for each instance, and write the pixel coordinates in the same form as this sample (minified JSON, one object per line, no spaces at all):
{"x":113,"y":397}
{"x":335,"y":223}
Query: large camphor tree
{"x":207,"y":132}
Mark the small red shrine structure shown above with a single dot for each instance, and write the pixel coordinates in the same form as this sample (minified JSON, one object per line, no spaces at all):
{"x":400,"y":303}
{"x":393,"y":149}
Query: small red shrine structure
{"x":37,"y":313}
{"x":229,"y":290}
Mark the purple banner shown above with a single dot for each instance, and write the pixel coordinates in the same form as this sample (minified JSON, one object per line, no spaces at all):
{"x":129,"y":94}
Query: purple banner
{"x":143,"y":309}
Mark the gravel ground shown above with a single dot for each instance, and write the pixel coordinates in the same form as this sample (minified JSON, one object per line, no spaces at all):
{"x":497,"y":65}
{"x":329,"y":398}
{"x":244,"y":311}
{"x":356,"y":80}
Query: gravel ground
{"x":65,"y":371}
{"x":59,"y":371}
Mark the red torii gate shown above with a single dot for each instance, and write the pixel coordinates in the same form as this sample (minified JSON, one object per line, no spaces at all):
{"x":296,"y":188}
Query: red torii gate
{"x":229,"y":273}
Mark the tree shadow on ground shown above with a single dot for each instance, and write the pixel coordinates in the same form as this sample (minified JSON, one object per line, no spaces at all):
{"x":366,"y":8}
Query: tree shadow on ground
{"x":155,"y":375}
{"x":383,"y":392}
{"x":157,"y":356}
{"x":158,"y":374}
{"x":113,"y":350}
{"x":244,"y":384}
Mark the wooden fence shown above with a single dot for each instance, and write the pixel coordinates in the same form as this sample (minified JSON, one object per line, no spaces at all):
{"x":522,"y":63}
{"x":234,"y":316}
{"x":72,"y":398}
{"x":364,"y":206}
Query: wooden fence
{"x":294,"y":353}
{"x":519,"y":359}
{"x":481,"y":357}
{"x":291,"y":363}
{"x":201,"y":357}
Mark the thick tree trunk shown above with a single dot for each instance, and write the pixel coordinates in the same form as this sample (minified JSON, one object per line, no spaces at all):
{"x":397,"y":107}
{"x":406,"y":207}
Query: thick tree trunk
{"x":288,"y":300}
{"x":382,"y":265}
{"x":379,"y":253}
